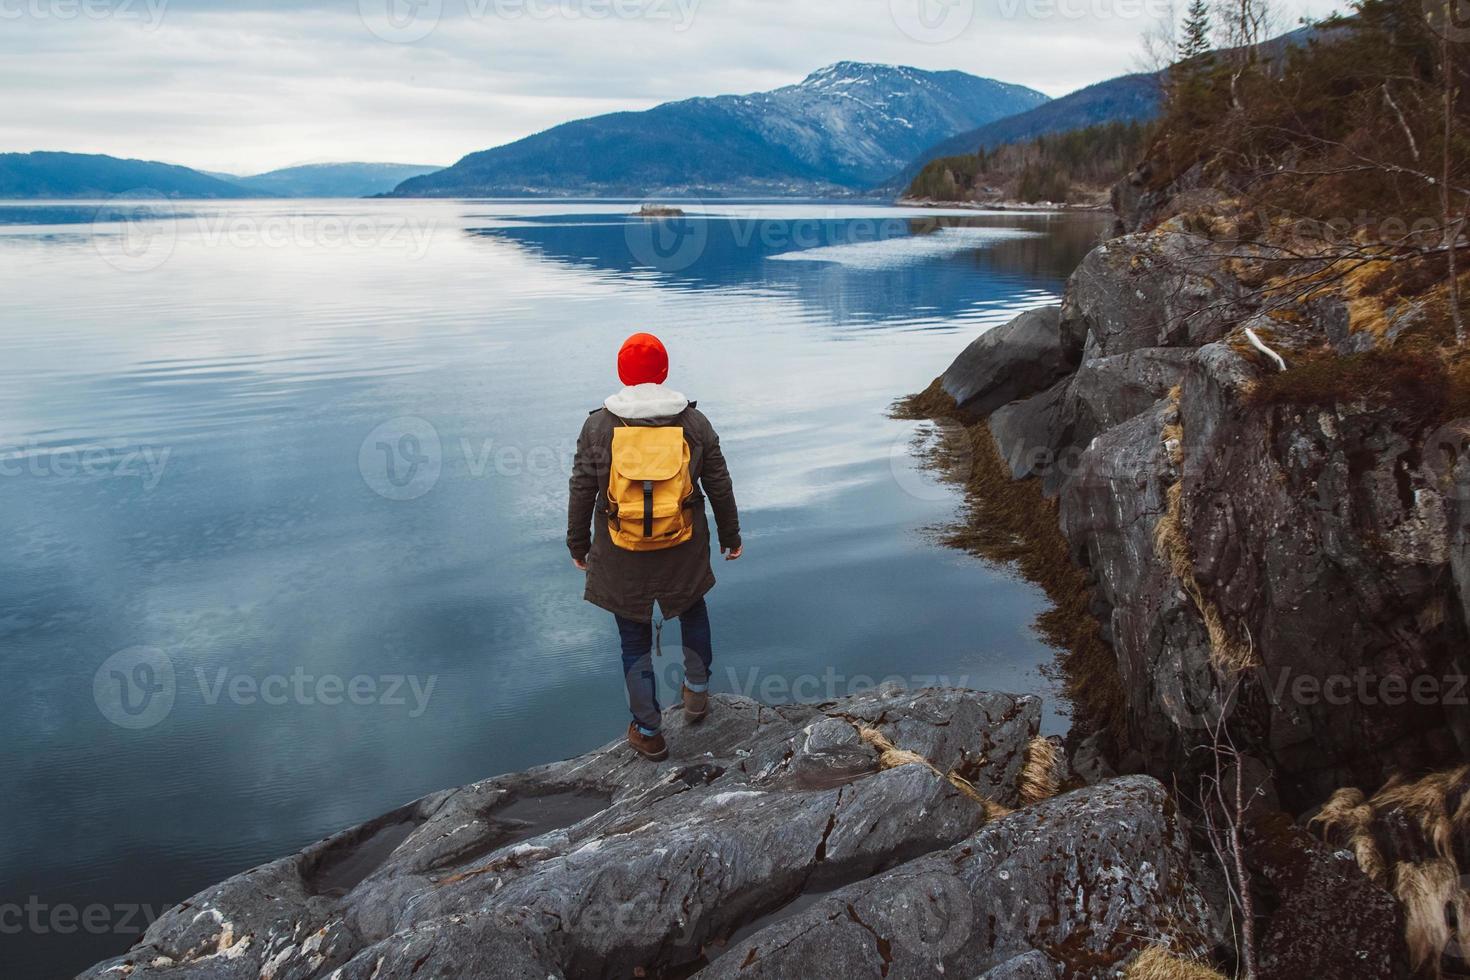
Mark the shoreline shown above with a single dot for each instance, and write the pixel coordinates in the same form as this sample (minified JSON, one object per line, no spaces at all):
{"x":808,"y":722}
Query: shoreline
{"x":1046,"y":207}
{"x":1009,"y":523}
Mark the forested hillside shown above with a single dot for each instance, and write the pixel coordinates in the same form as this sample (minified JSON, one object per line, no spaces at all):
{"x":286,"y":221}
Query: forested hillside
{"x":1072,"y":167}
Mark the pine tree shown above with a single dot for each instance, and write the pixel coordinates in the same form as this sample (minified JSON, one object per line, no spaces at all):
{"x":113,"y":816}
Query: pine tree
{"x":1196,"y":39}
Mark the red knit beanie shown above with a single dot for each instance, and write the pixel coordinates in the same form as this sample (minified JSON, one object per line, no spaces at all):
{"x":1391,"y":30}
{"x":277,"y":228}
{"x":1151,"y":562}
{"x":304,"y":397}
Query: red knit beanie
{"x":643,"y":360}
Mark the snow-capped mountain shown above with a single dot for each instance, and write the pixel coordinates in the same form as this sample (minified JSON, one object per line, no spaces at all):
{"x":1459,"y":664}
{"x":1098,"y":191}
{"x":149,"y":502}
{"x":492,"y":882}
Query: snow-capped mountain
{"x":843,"y":128}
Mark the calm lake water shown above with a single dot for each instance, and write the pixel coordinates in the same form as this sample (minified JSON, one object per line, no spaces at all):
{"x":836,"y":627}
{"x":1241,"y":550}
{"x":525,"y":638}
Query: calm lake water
{"x":283,"y":492}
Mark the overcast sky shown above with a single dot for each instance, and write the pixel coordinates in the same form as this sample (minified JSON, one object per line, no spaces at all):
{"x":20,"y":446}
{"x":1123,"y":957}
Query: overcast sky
{"x":244,"y":86}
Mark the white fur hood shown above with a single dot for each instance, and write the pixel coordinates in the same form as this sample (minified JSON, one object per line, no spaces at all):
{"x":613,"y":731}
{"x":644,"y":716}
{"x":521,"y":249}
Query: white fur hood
{"x":646,"y":401}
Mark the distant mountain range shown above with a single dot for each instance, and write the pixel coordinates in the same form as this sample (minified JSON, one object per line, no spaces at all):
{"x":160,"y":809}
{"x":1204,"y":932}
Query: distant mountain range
{"x":334,"y":179}
{"x":71,"y":175}
{"x":850,"y":128}
{"x":842,"y":129}
{"x":85,"y":175}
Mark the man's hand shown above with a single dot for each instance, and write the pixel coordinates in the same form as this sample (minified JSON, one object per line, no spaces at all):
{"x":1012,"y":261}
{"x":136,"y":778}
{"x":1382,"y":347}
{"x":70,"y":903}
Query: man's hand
{"x":732,"y":553}
{"x":580,"y":564}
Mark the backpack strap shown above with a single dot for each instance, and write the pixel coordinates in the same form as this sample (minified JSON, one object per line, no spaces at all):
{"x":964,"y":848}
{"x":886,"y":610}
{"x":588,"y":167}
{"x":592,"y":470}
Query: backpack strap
{"x":648,"y":508}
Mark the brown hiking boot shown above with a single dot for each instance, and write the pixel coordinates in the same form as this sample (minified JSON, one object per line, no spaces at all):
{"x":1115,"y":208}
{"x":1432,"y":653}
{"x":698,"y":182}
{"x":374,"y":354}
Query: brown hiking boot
{"x":651,"y":747}
{"x":696,"y":705}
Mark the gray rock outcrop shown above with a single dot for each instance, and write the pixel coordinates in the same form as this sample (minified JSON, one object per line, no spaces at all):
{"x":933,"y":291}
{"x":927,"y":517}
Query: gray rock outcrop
{"x":1012,"y":361}
{"x":1321,"y":544}
{"x":1084,"y":878}
{"x":1163,"y":289}
{"x":606,"y":865}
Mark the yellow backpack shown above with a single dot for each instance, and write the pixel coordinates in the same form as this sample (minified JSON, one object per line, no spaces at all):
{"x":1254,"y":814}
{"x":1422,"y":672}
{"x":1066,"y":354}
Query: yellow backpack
{"x":648,"y":488}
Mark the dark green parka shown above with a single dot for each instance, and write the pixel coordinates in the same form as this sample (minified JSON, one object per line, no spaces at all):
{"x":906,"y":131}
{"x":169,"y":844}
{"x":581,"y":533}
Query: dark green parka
{"x":628,"y":583}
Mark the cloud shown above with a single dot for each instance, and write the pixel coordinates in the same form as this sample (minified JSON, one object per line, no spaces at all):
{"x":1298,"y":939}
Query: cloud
{"x":249,"y":85}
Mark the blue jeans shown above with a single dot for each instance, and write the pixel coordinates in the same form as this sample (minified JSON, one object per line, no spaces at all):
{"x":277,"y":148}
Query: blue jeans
{"x":637,"y":640}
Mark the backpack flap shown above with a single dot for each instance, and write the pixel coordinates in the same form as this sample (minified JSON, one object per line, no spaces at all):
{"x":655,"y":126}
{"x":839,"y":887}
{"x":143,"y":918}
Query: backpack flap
{"x":649,"y":452}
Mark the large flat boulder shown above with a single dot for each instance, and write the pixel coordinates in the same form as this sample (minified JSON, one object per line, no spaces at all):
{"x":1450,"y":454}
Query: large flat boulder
{"x":606,"y":863}
{"x":1030,"y":435}
{"x":1085,"y":879}
{"x":1012,"y":361}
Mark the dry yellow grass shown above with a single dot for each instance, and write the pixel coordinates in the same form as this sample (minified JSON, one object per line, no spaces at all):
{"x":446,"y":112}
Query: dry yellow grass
{"x":1347,"y":818}
{"x":1428,"y":801}
{"x":1228,"y":655}
{"x":1039,"y":775}
{"x":1426,"y":885}
{"x":891,"y":756}
{"x":1157,"y":963}
{"x":1426,"y":889}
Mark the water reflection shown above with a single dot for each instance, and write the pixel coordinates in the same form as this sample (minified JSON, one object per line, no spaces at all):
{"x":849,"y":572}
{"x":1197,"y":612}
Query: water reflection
{"x":862,"y":269}
{"x":262,"y":369}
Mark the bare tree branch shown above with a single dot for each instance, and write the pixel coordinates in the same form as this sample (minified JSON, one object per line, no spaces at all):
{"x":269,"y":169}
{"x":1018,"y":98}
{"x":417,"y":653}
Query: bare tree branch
{"x":1403,"y":123}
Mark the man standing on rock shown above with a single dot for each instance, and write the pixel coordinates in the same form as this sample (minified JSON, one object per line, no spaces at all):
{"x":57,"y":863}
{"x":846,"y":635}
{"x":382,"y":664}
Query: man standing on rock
{"x":641,"y":461}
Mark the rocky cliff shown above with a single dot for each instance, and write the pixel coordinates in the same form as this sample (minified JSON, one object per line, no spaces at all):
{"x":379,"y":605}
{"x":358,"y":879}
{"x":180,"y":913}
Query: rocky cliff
{"x":1260,"y":547}
{"x":1260,"y":467}
{"x":893,"y":834}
